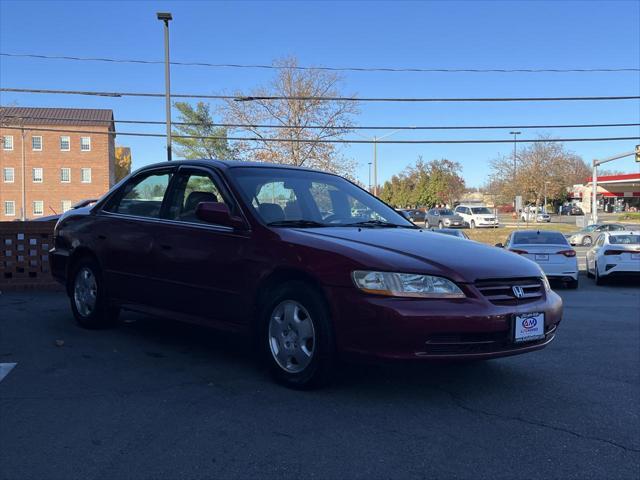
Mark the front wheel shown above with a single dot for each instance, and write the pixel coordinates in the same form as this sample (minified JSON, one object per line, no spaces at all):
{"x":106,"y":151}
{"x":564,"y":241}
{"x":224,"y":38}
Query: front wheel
{"x":472,"y":224}
{"x":440,"y":225}
{"x":586,"y":241}
{"x":298,"y":336}
{"x":87,"y":293}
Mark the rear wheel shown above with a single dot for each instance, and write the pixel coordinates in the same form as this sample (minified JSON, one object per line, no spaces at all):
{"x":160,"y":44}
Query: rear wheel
{"x":297,"y":336}
{"x":472,"y":224}
{"x":572,"y":284}
{"x":599,"y":279}
{"x":440,"y":225}
{"x":87,"y":294}
{"x":589,"y":274}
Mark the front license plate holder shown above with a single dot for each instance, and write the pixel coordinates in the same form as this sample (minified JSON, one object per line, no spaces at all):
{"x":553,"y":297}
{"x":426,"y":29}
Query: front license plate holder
{"x":528,"y":327}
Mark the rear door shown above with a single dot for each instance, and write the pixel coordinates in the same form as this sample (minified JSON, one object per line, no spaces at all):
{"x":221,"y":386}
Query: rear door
{"x":125,"y":232}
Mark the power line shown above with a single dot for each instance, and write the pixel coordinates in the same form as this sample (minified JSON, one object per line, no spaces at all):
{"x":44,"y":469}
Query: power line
{"x":298,"y":140}
{"x":242,"y":98}
{"x":331,"y":127}
{"x":323,"y":68}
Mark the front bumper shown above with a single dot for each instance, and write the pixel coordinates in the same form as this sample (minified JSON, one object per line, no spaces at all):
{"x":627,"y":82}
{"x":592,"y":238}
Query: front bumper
{"x":422,"y":329}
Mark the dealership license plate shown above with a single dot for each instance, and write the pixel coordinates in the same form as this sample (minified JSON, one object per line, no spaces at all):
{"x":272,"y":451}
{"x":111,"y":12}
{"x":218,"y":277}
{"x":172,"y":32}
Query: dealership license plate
{"x":528,"y":327}
{"x":542,"y":257}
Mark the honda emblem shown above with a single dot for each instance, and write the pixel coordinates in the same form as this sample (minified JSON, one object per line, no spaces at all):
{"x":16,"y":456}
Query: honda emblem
{"x":518,"y":291}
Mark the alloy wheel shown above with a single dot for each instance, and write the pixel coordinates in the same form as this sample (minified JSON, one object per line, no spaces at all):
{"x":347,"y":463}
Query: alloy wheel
{"x":292,"y":337}
{"x":85,"y":292}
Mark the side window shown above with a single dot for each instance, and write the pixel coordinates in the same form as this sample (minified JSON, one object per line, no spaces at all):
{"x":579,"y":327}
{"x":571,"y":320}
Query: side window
{"x":600,"y":240}
{"x":192,"y":188}
{"x":142,"y":196}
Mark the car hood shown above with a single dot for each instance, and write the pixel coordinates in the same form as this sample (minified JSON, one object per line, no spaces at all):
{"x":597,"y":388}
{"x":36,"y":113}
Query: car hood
{"x":420,"y":251}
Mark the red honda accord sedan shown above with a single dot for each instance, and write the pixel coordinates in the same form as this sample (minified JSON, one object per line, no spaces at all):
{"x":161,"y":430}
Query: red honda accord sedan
{"x":309,"y":264}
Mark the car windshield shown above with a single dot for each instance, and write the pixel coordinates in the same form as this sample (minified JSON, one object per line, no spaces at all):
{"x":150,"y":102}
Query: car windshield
{"x":481,"y":211}
{"x":590,"y":228}
{"x":445,"y":211}
{"x":624,"y":239}
{"x":301,"y":198}
{"x":539,"y":238}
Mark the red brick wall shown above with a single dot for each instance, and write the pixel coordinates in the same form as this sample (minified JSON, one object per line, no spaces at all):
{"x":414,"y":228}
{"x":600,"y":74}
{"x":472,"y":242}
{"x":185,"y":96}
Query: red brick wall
{"x":101,"y":160}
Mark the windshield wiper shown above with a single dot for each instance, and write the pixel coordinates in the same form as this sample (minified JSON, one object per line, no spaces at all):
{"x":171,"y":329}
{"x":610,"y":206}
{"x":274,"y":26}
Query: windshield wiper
{"x":296,"y":223}
{"x":375,"y":224}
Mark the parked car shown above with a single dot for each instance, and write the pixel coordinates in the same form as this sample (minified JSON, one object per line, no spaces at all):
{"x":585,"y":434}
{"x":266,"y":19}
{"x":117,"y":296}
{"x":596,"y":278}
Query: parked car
{"x":245,"y":247}
{"x":454,"y":232}
{"x":570,"y":210}
{"x":477,"y":216}
{"x":549,"y":249}
{"x":614,"y":254}
{"x":533,"y":214}
{"x":443,"y":217}
{"x":414,"y":215}
{"x":586,"y":236}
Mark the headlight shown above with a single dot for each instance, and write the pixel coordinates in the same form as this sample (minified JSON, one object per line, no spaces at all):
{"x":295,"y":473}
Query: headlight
{"x":545,"y":282}
{"x":447,"y":221}
{"x":406,"y":285}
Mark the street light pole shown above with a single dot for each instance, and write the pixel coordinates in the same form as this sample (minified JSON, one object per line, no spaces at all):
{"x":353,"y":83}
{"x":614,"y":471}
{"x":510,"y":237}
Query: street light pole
{"x":369,"y":177}
{"x":375,"y":166}
{"x":166,"y":17}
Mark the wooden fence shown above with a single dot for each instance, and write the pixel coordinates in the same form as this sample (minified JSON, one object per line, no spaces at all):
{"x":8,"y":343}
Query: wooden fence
{"x":24,"y":255}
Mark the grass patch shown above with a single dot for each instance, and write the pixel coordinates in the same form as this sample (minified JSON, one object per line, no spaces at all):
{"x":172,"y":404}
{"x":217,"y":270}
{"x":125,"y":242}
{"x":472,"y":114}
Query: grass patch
{"x":629,"y":216}
{"x":492,"y":236}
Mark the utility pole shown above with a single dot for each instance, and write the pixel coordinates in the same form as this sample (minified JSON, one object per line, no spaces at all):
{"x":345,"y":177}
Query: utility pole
{"x":515,"y":203}
{"x":375,"y":166}
{"x":594,"y":182}
{"x":369,"y":177}
{"x":166,"y":17}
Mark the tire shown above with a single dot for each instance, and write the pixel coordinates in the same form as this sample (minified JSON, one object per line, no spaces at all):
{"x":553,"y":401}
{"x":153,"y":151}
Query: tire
{"x":589,"y":274}
{"x":586,"y":241}
{"x":440,"y":225}
{"x":472,"y":224}
{"x":296,"y":337}
{"x":572,"y":284}
{"x":598,"y":278}
{"x":88,"y":297}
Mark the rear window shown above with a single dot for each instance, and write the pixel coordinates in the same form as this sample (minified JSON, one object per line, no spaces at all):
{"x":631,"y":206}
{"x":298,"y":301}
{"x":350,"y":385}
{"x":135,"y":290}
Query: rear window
{"x":481,"y":211}
{"x":445,"y":212}
{"x":539,"y":238}
{"x":624,"y":239}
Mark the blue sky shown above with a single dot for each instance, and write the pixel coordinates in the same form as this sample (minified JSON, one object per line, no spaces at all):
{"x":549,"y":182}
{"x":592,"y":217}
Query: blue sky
{"x":488,"y":34}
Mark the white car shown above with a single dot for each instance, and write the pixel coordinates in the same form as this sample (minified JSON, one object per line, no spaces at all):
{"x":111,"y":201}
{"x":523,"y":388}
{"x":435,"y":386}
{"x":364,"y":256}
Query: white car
{"x":476,"y":216}
{"x":550,"y":250}
{"x":530,"y":215}
{"x":614,"y":254}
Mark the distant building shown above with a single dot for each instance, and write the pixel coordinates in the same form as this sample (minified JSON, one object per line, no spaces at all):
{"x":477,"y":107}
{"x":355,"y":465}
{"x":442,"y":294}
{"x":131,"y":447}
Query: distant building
{"x":60,"y":165}
{"x":615,"y":193}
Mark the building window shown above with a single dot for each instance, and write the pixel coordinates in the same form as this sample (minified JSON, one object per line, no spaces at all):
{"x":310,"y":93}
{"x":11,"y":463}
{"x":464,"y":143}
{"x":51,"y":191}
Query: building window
{"x":37,"y":175}
{"x":36,"y":144}
{"x":85,"y":144}
{"x":10,"y":208}
{"x":65,"y":143}
{"x":85,"y":175}
{"x":38,"y":207}
{"x":8,"y":175}
{"x":66,"y":205}
{"x":7,"y":142}
{"x":65,"y":175}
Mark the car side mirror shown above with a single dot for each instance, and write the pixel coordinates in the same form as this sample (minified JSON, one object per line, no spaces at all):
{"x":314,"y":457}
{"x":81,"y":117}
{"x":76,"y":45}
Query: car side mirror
{"x":499,"y":245}
{"x":218,"y":213}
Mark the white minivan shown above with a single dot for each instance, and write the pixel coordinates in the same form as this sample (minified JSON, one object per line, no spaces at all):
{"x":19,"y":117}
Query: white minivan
{"x":477,"y":216}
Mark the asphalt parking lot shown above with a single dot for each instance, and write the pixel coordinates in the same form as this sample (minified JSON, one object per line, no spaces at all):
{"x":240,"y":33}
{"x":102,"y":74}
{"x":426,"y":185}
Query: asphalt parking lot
{"x":155,"y":399}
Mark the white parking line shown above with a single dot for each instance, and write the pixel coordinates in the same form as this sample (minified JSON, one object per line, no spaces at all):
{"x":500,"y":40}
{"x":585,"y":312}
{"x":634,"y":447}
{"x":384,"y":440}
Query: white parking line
{"x":5,"y":368}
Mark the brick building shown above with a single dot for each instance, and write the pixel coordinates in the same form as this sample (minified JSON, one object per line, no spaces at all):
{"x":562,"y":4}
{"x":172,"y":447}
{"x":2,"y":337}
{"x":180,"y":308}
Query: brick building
{"x":61,"y":166}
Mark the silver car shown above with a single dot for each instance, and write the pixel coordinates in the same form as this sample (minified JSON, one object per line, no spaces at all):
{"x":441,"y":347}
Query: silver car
{"x":587,"y":235}
{"x":443,"y":218}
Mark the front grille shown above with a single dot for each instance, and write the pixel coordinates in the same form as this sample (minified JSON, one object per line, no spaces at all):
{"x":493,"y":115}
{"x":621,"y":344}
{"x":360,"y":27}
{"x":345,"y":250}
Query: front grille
{"x":500,"y":292}
{"x":488,"y":219}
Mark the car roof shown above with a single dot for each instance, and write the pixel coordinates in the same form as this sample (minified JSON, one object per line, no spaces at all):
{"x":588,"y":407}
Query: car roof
{"x":229,"y":164}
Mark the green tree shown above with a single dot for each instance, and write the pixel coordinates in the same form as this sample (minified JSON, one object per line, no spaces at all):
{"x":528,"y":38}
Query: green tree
{"x":199,"y":123}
